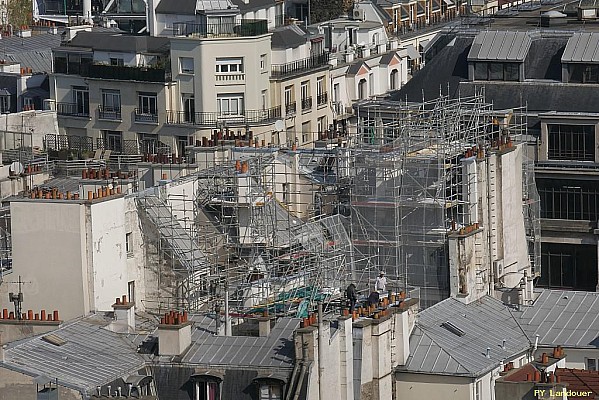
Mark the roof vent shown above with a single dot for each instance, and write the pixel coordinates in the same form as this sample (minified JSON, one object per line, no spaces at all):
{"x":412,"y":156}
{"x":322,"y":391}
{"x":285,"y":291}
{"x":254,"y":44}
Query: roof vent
{"x":488,"y":355}
{"x":453,"y":329}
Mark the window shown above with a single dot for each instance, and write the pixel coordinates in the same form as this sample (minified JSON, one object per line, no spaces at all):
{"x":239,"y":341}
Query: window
{"x":496,"y":71}
{"x":321,"y":124}
{"x":270,"y":392}
{"x":28,"y":103}
{"x":321,"y":93}
{"x":478,"y":389}
{"x":264,"y":96}
{"x":129,"y":244}
{"x":186,"y":65}
{"x":569,"y":199}
{"x":113,"y":140}
{"x":306,"y":134}
{"x":131,"y":291}
{"x":119,"y":62}
{"x":229,"y":65}
{"x":289,"y":100}
{"x":371,"y":84}
{"x":188,"y":108}
{"x":583,"y":73}
{"x":263,"y":62}
{"x":147,"y":103}
{"x":569,"y":266}
{"x":571,"y":142}
{"x":111,"y":100}
{"x":362,"y":89}
{"x":305,"y":90}
{"x":4,"y":104}
{"x":591,"y":364}
{"x":229,"y":104}
{"x":305,"y":96}
{"x":81,"y":100}
{"x":206,"y":390}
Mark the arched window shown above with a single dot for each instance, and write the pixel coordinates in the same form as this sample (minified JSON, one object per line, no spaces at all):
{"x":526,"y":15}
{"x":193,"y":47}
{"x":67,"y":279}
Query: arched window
{"x":206,"y":385}
{"x":362,"y":89}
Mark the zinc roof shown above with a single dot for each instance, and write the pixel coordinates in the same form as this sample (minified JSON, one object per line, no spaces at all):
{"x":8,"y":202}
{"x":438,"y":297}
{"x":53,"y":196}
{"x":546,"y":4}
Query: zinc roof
{"x":582,"y":47}
{"x":500,"y":46}
{"x":564,"y":317}
{"x":485,"y":323}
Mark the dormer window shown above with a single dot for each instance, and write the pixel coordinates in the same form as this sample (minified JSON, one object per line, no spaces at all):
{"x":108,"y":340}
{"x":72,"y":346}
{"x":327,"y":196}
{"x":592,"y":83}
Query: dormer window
{"x":270,"y":386}
{"x":498,"y":56}
{"x":207,"y":385}
{"x":580,"y":63}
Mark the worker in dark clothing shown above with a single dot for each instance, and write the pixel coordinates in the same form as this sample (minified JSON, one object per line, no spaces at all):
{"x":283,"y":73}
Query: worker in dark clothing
{"x":352,"y":296}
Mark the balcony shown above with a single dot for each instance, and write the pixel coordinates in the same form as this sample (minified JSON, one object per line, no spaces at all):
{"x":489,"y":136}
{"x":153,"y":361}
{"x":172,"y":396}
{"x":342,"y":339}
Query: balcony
{"x":124,"y":73}
{"x":290,"y":108}
{"x":226,"y":79}
{"x":247,"y":28}
{"x":109,"y":113}
{"x":299,"y":66}
{"x":72,"y":110}
{"x":321,"y":99}
{"x":214,"y":119}
{"x":144,"y":117}
{"x":306,"y":103}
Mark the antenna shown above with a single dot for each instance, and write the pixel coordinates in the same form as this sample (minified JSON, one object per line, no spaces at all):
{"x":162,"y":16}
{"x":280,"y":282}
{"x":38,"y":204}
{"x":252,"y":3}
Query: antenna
{"x":17,"y":299}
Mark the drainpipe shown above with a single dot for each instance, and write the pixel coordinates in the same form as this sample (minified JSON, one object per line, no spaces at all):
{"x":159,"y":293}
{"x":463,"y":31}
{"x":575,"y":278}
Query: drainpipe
{"x":320,"y":356}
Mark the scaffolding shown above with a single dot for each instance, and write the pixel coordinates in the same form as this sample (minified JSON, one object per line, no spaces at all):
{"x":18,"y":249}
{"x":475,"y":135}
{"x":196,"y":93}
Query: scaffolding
{"x":411,"y":184}
{"x":258,"y":227}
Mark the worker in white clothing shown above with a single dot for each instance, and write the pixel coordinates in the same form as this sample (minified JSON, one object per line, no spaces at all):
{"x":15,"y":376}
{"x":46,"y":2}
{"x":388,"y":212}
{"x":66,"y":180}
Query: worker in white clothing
{"x":380,"y":284}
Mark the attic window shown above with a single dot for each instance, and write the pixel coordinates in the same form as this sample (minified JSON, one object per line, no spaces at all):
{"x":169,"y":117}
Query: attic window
{"x":54,"y":339}
{"x":453,"y":329}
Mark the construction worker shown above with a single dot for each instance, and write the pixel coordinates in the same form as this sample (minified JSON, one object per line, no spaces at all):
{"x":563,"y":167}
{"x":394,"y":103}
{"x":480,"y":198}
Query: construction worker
{"x":380,"y":284}
{"x":352,"y":296}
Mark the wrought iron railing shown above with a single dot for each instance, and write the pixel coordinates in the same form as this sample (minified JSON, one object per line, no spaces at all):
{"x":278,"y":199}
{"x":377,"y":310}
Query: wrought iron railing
{"x":306,"y":103}
{"x":245,"y":28}
{"x":290,"y":108}
{"x":299,"y":66}
{"x":322,"y":99}
{"x":110,"y":113}
{"x":141,"y":116}
{"x":72,"y":109}
{"x":215,"y":118}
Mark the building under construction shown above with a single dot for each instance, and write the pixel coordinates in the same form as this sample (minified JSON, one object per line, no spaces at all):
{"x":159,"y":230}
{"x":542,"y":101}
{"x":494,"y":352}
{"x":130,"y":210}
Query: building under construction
{"x":437,"y":195}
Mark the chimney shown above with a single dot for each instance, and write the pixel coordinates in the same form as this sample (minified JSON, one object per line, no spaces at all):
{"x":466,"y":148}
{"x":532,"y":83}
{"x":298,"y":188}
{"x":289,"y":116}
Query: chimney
{"x":264,"y":326}
{"x":174,"y":334}
{"x":124,"y":312}
{"x":404,"y":324}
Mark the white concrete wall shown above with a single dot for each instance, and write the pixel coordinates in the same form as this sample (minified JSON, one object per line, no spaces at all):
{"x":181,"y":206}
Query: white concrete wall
{"x":109,"y":252}
{"x":49,"y":251}
{"x":420,"y":386}
{"x":28,"y":128}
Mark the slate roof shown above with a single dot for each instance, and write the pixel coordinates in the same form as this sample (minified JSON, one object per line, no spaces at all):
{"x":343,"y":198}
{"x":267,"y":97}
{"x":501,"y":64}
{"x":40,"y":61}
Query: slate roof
{"x":485,"y":323}
{"x":500,"y":45}
{"x":287,"y":37}
{"x":276,"y":350}
{"x":583,"y":47}
{"x":565,"y":318}
{"x":176,"y":7}
{"x":91,"y":356}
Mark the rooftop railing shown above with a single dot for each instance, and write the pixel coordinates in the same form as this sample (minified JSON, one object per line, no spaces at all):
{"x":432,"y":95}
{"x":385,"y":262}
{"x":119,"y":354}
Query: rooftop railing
{"x":299,"y":66}
{"x":244,"y":28}
{"x":214,"y":118}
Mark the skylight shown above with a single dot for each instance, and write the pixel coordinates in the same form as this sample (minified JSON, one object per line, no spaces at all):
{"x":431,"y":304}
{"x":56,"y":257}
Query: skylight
{"x":453,"y":329}
{"x":54,"y":339}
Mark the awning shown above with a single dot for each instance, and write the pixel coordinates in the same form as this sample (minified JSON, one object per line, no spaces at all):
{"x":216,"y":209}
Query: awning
{"x":412,"y":52}
{"x":265,"y":376}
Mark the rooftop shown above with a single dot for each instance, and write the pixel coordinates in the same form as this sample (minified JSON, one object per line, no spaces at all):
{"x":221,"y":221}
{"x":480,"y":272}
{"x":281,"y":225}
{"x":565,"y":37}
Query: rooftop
{"x":565,"y":318}
{"x":451,"y":338}
{"x":121,"y":42}
{"x":579,"y":380}
{"x":500,"y":45}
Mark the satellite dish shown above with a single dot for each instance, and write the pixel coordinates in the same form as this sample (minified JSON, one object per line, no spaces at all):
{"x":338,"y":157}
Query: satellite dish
{"x":16,"y":168}
{"x":279,"y":125}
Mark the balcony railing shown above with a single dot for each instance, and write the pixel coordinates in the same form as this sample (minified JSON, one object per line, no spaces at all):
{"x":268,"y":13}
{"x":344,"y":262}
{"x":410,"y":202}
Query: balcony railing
{"x":306,"y":103}
{"x":72,"y":109}
{"x":110,"y":113}
{"x":229,"y":78}
{"x":299,"y":66}
{"x":246,"y":28}
{"x":322,"y":99}
{"x":141,"y":116}
{"x":290,"y":108}
{"x":215,"y":119}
